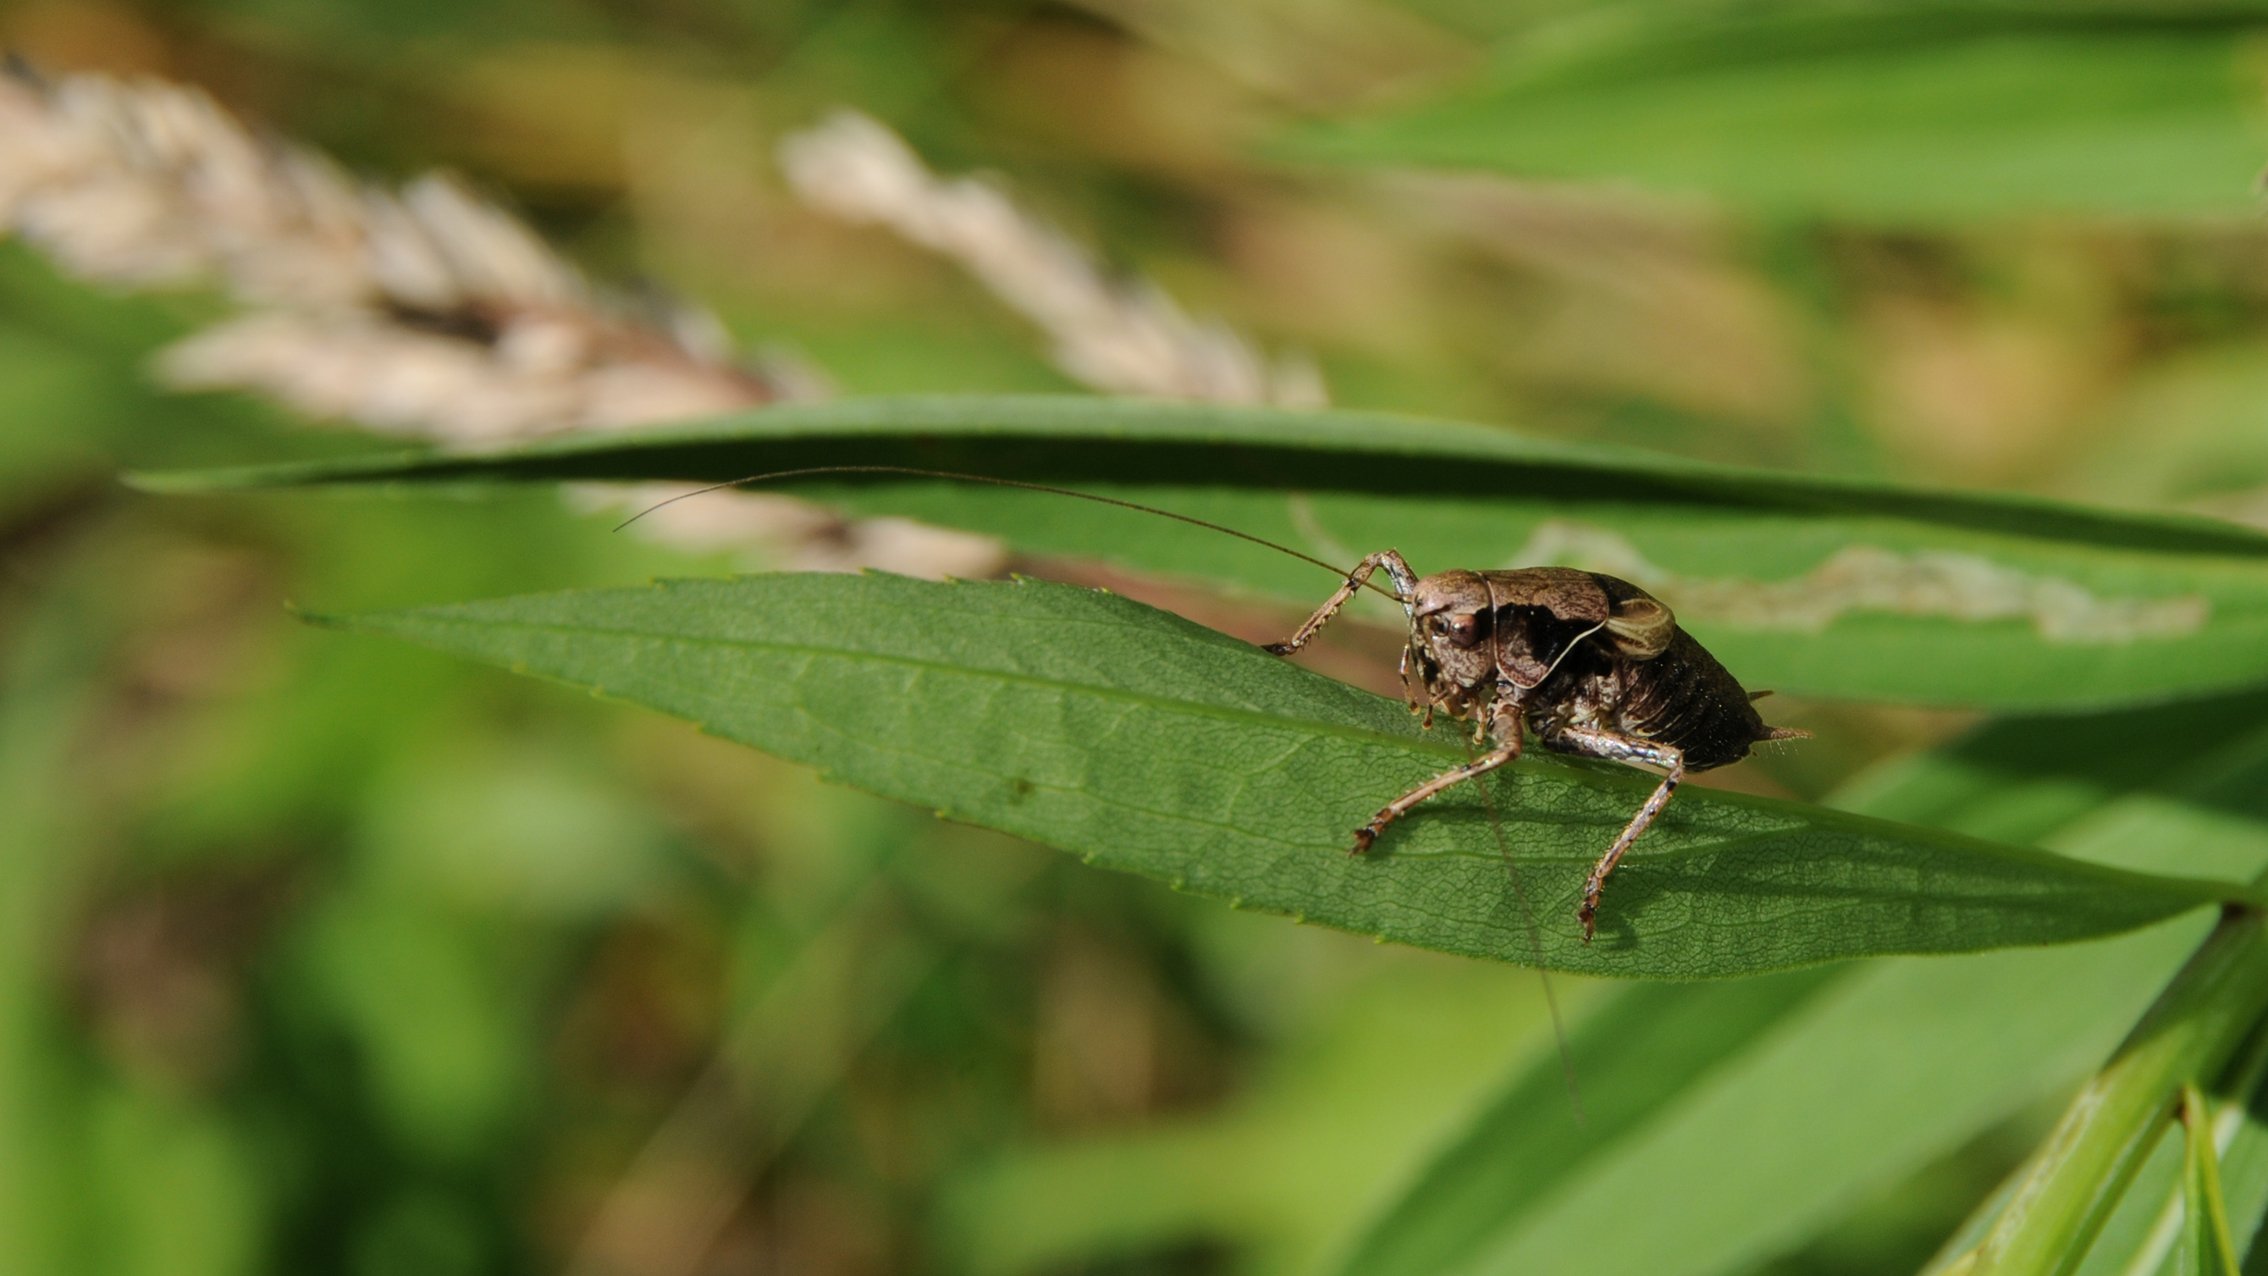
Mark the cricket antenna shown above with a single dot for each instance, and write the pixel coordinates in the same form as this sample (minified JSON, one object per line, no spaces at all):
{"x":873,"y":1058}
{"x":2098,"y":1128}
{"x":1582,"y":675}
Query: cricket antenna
{"x":914,"y":471}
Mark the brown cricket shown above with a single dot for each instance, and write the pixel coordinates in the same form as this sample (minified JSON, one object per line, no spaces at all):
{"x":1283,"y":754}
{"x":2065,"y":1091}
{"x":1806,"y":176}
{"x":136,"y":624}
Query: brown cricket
{"x":1590,"y":663}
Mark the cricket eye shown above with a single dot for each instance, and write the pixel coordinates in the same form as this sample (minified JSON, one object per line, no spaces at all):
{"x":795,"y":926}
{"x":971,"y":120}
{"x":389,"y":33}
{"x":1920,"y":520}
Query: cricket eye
{"x":1457,"y":630}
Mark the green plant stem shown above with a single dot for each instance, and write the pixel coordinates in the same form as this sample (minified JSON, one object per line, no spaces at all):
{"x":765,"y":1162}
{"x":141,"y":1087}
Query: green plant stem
{"x":2077,"y":1176}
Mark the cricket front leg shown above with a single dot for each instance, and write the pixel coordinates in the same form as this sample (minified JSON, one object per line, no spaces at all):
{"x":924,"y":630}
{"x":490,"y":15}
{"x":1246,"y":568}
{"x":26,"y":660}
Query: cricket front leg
{"x":1365,"y":836}
{"x":1399,"y":571}
{"x":1633,"y":752}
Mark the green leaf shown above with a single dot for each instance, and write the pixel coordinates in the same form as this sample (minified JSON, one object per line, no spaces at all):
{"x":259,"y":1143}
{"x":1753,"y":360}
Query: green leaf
{"x":1883,"y":114}
{"x":2079,"y":1174}
{"x":2082,"y":1182}
{"x":2207,"y":1249}
{"x":2151,"y":1228}
{"x":2243,"y":1149}
{"x":1143,"y":742}
{"x":1477,"y":1197}
{"x":1755,"y":1143}
{"x":1826,"y":586}
{"x":2139,"y":1235}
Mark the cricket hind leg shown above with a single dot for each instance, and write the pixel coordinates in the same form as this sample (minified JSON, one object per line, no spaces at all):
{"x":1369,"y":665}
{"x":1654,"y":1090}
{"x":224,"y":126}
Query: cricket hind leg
{"x":1399,"y":807}
{"x":1397,"y":569}
{"x":1631,"y":752}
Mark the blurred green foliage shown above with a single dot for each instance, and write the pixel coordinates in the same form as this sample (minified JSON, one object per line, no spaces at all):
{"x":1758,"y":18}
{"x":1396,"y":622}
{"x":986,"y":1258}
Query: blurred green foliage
{"x":326,"y":954}
{"x":1874,"y":114}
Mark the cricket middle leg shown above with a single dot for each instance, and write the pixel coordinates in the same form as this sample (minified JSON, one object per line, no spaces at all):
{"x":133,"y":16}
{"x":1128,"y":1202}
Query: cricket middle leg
{"x":1399,"y":807}
{"x":1633,"y":752}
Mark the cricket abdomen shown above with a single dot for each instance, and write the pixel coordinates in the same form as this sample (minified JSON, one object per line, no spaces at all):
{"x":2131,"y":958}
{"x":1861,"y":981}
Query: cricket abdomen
{"x":1685,"y":699}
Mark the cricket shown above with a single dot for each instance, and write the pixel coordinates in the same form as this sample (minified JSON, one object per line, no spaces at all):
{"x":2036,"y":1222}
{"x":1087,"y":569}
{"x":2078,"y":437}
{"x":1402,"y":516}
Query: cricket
{"x":1588,"y":664}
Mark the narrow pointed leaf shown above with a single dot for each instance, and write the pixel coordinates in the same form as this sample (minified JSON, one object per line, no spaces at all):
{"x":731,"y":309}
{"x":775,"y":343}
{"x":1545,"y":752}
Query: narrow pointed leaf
{"x":2153,"y":1228}
{"x":1142,"y":742}
{"x":2076,"y":1178}
{"x":1825,"y":586}
{"x":2240,"y":1145}
{"x":2207,"y":1248}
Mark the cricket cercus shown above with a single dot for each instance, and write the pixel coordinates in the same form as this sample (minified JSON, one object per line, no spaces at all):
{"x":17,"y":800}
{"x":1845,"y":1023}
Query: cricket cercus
{"x":1590,"y":664}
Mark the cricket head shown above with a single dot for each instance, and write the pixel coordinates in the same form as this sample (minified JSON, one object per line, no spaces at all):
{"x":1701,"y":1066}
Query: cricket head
{"x":1452,"y":622}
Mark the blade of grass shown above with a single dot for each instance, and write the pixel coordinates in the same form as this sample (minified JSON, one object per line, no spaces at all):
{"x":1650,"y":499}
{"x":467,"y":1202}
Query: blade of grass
{"x":2242,"y":1142}
{"x":2149,"y":1229}
{"x":2207,"y":1248}
{"x":2085,"y":1165}
{"x":1827,"y":586}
